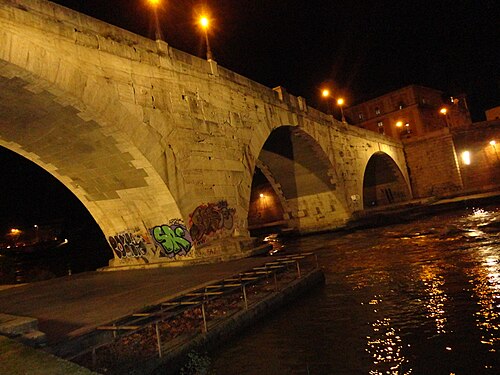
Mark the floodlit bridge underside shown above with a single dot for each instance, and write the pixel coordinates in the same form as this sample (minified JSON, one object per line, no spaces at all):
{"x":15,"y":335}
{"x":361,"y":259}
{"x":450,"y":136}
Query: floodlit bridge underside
{"x":162,"y":147}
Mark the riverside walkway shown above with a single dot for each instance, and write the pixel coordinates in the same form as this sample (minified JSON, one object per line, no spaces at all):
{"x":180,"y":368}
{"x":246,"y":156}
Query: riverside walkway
{"x":74,"y":305}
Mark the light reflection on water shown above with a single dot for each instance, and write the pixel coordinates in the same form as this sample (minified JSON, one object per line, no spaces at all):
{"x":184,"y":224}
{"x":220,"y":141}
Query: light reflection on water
{"x":435,"y":296}
{"x":415,"y":298}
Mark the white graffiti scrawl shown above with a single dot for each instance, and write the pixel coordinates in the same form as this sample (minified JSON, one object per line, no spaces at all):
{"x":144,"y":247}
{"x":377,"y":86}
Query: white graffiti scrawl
{"x":128,"y":245}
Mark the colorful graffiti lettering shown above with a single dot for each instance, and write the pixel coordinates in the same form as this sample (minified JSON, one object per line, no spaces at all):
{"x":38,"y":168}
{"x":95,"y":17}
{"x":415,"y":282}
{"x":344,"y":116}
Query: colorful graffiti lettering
{"x":128,"y":245}
{"x":210,"y":218}
{"x":174,"y":239}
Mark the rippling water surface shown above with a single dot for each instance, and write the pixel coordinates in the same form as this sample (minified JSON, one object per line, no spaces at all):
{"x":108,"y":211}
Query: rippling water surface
{"x":416,"y":298}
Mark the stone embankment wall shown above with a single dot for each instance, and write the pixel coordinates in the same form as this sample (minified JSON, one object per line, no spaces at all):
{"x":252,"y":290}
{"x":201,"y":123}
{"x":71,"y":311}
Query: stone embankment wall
{"x":483,"y":173}
{"x":437,"y":166}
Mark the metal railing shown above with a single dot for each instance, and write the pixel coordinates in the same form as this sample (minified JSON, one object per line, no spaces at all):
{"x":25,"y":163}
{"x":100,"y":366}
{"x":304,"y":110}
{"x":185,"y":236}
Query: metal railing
{"x":176,"y":320}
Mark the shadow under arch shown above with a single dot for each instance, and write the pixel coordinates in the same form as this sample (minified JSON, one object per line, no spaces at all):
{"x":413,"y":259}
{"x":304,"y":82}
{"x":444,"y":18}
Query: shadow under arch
{"x":56,"y":234}
{"x":383,"y":182}
{"x":297,"y":184}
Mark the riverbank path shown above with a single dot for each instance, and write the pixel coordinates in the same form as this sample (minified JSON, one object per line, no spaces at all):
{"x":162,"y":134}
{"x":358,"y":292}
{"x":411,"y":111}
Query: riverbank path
{"x":74,"y":305}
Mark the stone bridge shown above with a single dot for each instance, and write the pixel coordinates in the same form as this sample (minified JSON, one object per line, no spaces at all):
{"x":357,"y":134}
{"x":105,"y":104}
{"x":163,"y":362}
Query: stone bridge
{"x":162,"y":147}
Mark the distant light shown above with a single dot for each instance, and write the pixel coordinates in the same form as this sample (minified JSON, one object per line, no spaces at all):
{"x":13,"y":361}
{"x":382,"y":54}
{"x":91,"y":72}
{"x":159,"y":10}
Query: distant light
{"x":261,"y":195}
{"x":325,"y":93}
{"x":443,"y":111}
{"x":154,"y":2}
{"x":493,"y":143}
{"x":340,"y":101}
{"x":15,"y":231}
{"x":204,"y":22}
{"x":399,"y":124}
{"x":407,"y":124}
{"x":466,"y":157}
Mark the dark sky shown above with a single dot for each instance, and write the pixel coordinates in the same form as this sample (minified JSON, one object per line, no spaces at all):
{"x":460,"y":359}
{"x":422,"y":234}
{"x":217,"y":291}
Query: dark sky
{"x":363,"y":48}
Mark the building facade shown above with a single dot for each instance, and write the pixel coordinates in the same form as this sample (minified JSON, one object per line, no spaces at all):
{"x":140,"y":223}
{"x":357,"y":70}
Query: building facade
{"x":493,"y":114}
{"x":410,"y":111}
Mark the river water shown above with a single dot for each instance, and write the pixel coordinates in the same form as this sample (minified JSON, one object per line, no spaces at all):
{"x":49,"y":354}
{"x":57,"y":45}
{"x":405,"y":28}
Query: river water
{"x":415,"y":298}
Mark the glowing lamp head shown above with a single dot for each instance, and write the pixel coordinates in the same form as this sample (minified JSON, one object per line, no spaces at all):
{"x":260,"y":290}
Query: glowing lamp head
{"x":466,"y":157}
{"x":443,"y":111}
{"x":493,"y":142}
{"x":399,"y":124}
{"x":325,"y":93}
{"x":340,"y":101}
{"x":154,"y":3}
{"x":261,"y":195}
{"x":204,"y":22}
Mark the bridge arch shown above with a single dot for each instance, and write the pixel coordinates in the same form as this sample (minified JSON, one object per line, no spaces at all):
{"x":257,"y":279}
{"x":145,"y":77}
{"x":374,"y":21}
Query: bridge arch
{"x":299,"y":174}
{"x":110,"y":176}
{"x":383,"y":182}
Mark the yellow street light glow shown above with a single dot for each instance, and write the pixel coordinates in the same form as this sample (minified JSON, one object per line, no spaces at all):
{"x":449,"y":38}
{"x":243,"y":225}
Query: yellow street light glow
{"x":492,"y":142}
{"x":261,"y":195}
{"x":325,"y":93}
{"x":466,"y":157}
{"x":399,"y":124}
{"x":340,"y":101}
{"x":443,"y":111}
{"x":204,"y":22}
{"x":154,"y":3}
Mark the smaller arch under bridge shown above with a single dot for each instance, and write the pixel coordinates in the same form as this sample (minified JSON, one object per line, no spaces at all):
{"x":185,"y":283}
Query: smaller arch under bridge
{"x":163,"y":148}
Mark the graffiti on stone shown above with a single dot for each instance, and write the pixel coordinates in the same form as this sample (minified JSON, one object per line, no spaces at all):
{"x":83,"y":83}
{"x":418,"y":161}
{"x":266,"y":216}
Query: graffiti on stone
{"x":208,"y":219}
{"x":173,"y":239}
{"x":128,"y":245}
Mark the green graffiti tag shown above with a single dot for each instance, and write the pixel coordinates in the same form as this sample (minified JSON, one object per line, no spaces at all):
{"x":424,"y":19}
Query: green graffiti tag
{"x":173,"y":239}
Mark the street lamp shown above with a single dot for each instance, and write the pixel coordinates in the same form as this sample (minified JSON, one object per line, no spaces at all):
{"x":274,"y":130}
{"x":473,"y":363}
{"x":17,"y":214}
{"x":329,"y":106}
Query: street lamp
{"x":204,"y":23}
{"x":340,"y":103}
{"x":154,"y":4}
{"x":325,"y":93}
{"x":444,"y":112}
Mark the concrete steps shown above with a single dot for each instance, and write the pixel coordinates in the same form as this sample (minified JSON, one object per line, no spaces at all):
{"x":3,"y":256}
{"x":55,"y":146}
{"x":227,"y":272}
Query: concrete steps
{"x":22,"y":328}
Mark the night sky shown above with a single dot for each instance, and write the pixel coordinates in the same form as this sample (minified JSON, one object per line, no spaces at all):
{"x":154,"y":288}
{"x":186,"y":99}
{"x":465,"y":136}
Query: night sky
{"x":362,"y":49}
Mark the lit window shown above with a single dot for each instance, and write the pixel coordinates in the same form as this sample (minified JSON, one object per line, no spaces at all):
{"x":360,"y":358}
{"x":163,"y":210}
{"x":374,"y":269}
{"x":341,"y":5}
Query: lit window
{"x":377,"y":110}
{"x":360,"y":115}
{"x":401,"y":105}
{"x":466,"y":157}
{"x":381,"y":129}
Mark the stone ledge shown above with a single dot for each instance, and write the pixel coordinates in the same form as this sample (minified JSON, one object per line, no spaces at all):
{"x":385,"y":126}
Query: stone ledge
{"x":18,"y":359}
{"x":191,"y":262}
{"x":17,"y":325}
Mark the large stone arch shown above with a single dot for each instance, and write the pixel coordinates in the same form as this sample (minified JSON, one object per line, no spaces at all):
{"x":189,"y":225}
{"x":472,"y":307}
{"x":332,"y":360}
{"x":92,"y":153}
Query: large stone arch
{"x":99,"y":164}
{"x":383,"y":182}
{"x":301,"y":175}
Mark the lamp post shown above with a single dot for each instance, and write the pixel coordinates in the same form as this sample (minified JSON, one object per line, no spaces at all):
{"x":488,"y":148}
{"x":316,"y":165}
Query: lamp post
{"x":325,"y":93}
{"x":444,"y":112}
{"x":340,"y":103}
{"x":154,"y":4}
{"x":204,"y":23}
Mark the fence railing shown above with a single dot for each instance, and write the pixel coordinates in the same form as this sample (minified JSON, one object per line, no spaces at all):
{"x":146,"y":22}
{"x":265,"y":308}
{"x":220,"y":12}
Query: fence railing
{"x":175,"y":321}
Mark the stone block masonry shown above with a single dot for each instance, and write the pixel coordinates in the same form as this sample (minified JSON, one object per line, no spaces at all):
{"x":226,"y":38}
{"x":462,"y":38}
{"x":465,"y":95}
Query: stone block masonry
{"x":148,"y":137}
